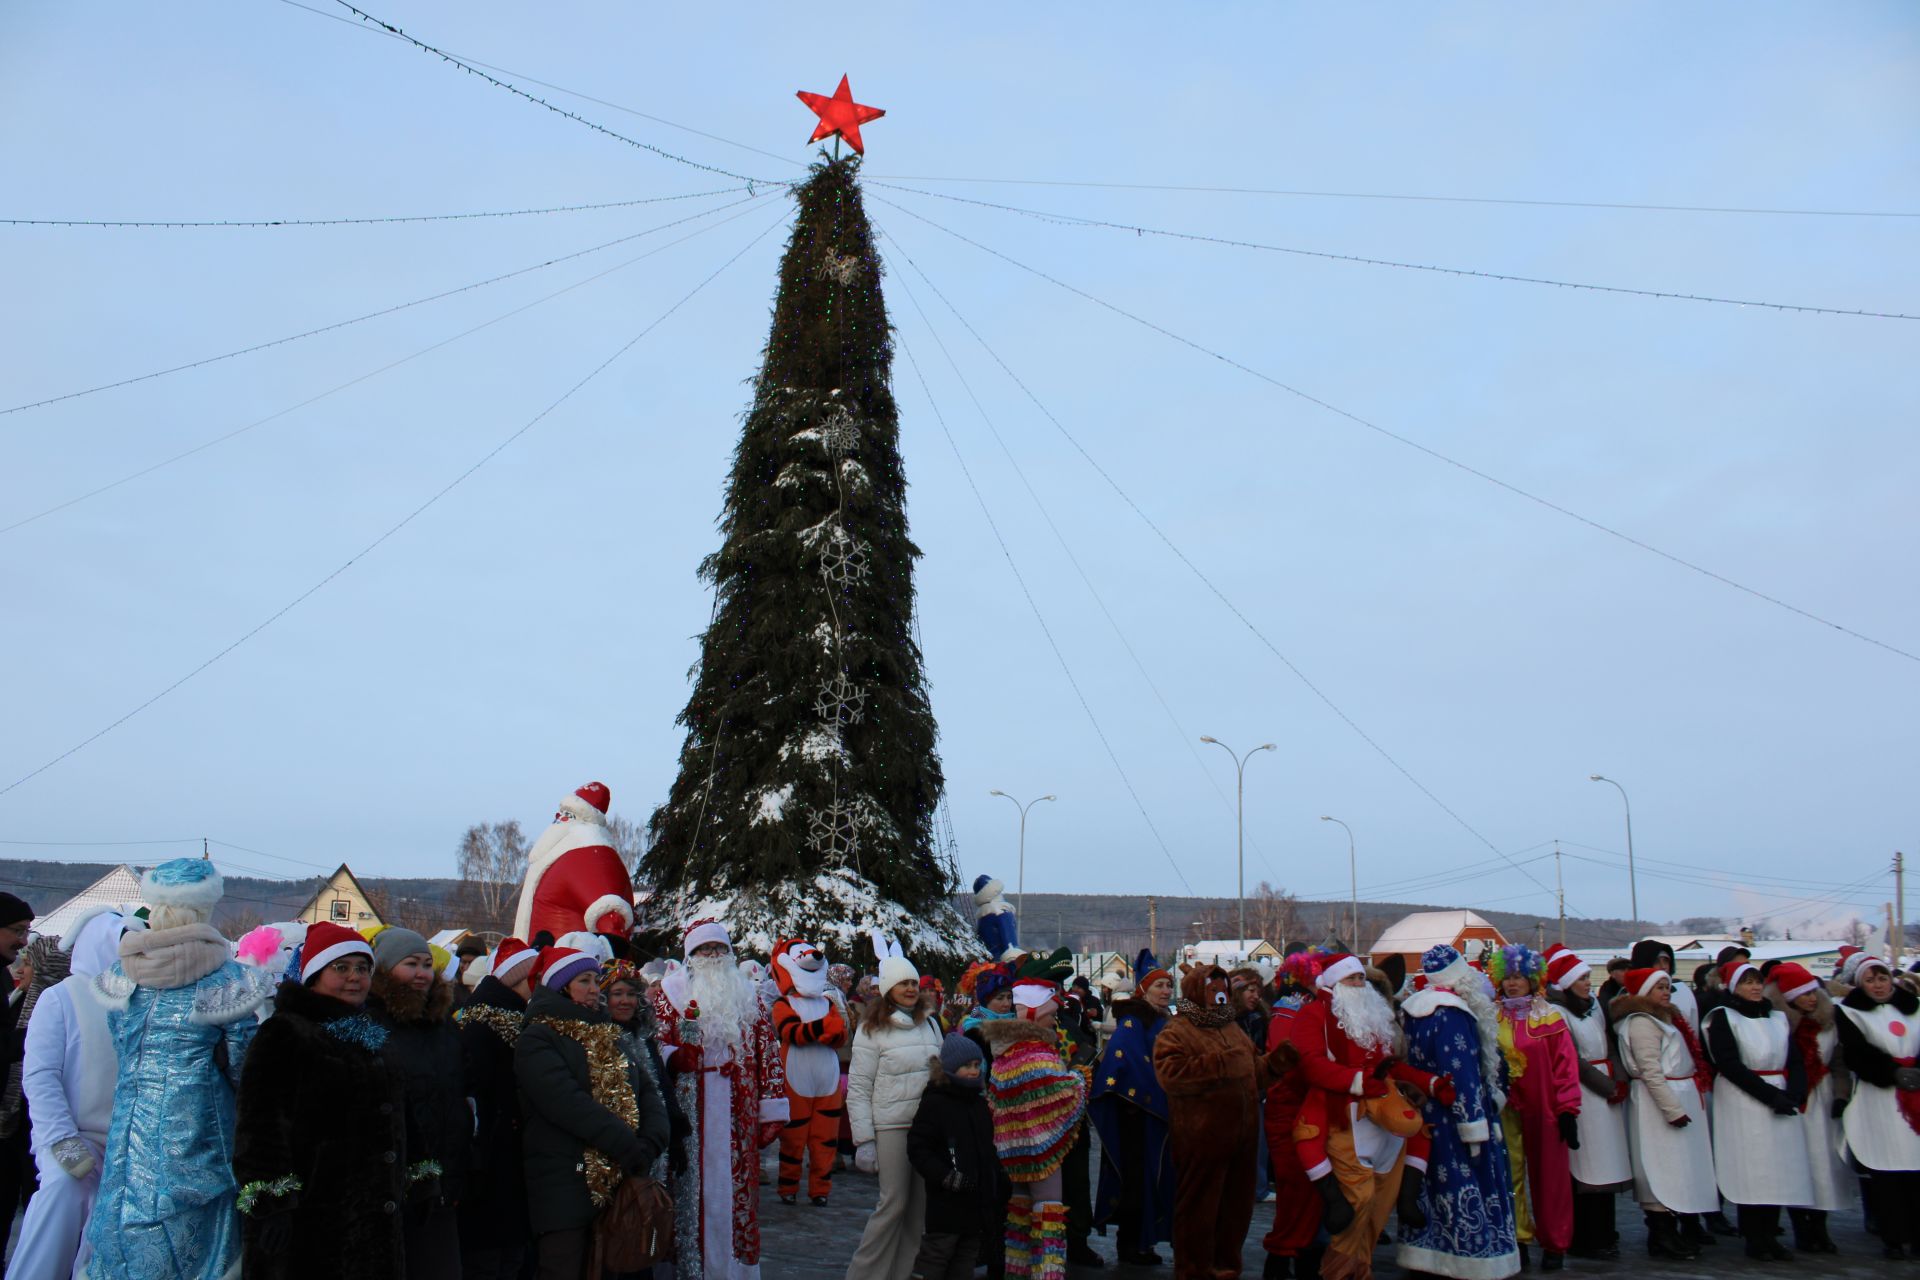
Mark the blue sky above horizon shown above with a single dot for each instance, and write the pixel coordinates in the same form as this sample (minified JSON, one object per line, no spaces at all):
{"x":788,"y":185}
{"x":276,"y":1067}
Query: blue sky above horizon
{"x":533,"y":628}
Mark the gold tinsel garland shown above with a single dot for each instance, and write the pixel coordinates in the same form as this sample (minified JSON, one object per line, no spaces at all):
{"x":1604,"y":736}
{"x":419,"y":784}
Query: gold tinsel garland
{"x":502,"y":1022}
{"x":612,"y":1088}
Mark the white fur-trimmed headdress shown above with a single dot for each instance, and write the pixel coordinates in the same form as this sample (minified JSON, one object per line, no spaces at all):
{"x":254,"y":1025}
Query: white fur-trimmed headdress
{"x":192,"y":883}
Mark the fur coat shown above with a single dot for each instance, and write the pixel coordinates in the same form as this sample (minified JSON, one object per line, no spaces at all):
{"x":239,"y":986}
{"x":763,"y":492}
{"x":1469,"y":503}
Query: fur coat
{"x":493,"y":1212}
{"x":321,"y":1139}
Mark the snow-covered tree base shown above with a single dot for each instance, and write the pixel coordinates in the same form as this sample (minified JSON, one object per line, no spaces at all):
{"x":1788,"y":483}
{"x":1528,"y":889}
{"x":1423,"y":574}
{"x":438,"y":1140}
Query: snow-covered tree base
{"x":835,"y":909}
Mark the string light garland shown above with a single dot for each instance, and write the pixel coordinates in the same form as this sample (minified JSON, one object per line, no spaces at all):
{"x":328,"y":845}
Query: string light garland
{"x":237,"y":223}
{"x":1071,"y":220}
{"x":223,"y":438}
{"x":405,"y":520}
{"x":371,"y":315}
{"x":474,"y":70}
{"x":1370,"y":425}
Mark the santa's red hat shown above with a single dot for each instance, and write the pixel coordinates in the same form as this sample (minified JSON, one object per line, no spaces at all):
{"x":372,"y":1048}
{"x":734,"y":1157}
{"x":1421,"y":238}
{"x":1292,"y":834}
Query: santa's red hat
{"x":576,"y":880}
{"x":1732,"y":971}
{"x":1338,"y":969}
{"x":1565,"y":968}
{"x":327,"y":942}
{"x":557,"y":966}
{"x":509,"y":958}
{"x":1792,"y":980}
{"x":1642,"y":981}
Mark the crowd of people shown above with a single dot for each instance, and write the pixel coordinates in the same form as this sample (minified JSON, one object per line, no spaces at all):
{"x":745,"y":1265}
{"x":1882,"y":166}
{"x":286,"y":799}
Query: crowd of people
{"x":315,"y":1101}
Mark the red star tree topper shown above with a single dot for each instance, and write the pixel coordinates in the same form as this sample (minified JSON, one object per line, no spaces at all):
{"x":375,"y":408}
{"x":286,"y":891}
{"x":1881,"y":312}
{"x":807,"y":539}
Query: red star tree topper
{"x":840,"y":114}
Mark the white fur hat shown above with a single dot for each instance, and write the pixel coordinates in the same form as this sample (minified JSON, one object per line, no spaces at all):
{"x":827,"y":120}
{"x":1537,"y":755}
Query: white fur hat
{"x":184,"y":882}
{"x":895,"y":970}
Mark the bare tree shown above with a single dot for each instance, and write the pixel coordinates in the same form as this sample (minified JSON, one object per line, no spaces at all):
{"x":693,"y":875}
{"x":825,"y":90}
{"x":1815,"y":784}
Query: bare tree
{"x":631,"y":840}
{"x":1276,"y":915}
{"x":492,"y":861}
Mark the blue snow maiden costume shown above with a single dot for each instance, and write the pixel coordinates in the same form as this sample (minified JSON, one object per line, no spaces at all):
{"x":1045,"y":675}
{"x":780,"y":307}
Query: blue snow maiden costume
{"x":1129,"y":1112}
{"x":1468,"y":1193}
{"x":995,"y":924}
{"x":183,"y":1018}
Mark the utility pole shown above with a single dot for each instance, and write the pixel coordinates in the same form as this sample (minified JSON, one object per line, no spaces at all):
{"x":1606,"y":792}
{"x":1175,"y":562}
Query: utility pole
{"x":1560,"y":892}
{"x":1153,"y":934}
{"x":1540,"y":935}
{"x":206,"y":857}
{"x":1898,"y":939}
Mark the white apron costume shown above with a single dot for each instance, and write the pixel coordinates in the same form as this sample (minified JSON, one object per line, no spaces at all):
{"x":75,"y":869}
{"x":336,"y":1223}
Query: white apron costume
{"x":1834,"y":1187}
{"x":1603,"y":1159}
{"x":1876,"y":1133}
{"x":1760,"y":1157}
{"x":1671,"y":1167}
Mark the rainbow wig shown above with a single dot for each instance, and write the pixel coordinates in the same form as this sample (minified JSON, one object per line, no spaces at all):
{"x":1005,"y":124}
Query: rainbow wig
{"x":1515,"y":961}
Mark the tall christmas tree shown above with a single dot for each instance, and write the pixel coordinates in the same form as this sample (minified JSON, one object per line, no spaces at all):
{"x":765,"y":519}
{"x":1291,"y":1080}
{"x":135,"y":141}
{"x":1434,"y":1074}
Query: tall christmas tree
{"x":807,"y":788}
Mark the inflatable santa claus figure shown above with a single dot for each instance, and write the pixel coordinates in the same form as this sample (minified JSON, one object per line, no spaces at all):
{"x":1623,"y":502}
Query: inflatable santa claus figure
{"x":575,"y":878}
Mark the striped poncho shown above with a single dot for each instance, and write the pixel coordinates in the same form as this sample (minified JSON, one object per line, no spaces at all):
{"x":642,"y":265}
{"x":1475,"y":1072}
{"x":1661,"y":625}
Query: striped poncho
{"x":1037,"y":1099}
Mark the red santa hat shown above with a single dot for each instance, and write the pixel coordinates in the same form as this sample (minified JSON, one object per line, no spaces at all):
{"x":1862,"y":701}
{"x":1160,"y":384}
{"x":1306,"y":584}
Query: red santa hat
{"x":1642,"y":981}
{"x":1565,"y":968}
{"x":1337,"y":969}
{"x":1792,"y":980}
{"x":557,"y":966}
{"x":327,"y":942}
{"x":1733,"y":970}
{"x":510,"y":957}
{"x":576,"y":880}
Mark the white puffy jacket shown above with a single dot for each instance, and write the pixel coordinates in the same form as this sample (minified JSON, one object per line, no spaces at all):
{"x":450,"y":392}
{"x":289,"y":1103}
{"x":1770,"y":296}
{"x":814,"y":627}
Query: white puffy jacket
{"x":888,"y":1074}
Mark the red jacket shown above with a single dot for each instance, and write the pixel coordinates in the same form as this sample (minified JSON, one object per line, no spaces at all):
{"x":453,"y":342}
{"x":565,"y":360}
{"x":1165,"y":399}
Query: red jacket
{"x":1335,"y":1064}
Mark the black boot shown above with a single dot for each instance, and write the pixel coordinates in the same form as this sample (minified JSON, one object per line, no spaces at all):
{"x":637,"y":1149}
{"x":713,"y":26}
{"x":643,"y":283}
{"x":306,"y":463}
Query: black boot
{"x":1760,"y":1225}
{"x":1307,"y":1265}
{"x":1552,"y":1261}
{"x":1080,"y":1254}
{"x":1339,"y":1214}
{"x":1664,"y":1239}
{"x":1810,"y":1231}
{"x":1412,"y":1216}
{"x":1277,"y":1268}
{"x":1693,"y":1232}
{"x":1526,"y":1259}
{"x":1718,"y":1224}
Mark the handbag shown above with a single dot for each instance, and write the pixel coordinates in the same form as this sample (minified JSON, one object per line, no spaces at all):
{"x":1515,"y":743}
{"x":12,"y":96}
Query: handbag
{"x":635,"y":1228}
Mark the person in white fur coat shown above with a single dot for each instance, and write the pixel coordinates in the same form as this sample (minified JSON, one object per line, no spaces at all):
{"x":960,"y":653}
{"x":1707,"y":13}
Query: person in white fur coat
{"x":68,"y":1075}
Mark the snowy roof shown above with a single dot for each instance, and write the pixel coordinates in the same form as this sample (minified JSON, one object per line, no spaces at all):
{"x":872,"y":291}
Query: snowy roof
{"x":1217,"y":947}
{"x":120,"y":886}
{"x":446,"y":938}
{"x":1418,"y":930}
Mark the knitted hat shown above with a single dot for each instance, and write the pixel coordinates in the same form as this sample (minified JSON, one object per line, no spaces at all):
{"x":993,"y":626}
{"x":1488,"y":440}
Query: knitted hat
{"x":1565,"y":968}
{"x":956,"y":1051}
{"x":1733,"y":970}
{"x":393,"y":944}
{"x":990,"y":982}
{"x":1792,"y":980}
{"x":897,"y":969}
{"x":1338,"y":968}
{"x":327,"y":942}
{"x":558,"y":966}
{"x":13,"y":910}
{"x":1642,"y":981}
{"x":511,"y":958}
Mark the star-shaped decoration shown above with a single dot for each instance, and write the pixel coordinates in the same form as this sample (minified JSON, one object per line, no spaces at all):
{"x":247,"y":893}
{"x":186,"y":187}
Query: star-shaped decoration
{"x":840,"y":114}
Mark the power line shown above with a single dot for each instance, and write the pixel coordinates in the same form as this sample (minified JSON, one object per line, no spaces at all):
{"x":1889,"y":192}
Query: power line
{"x":237,"y":223}
{"x":1408,"y":441}
{"x":1205,"y":580}
{"x":204,"y":445}
{"x":1039,"y":617}
{"x":375,"y":315}
{"x":558,"y":88}
{"x":404,"y":521}
{"x":1388,"y":195}
{"x":474,"y":69}
{"x":1504,"y":277}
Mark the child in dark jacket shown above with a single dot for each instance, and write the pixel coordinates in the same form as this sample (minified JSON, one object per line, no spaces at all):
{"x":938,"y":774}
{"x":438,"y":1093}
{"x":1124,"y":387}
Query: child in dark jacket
{"x":951,"y":1146}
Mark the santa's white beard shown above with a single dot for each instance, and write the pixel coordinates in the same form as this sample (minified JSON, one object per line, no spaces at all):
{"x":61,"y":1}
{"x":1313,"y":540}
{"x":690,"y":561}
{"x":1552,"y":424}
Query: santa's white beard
{"x":1365,"y":1017}
{"x":1487,"y":1018}
{"x":727,"y":1003}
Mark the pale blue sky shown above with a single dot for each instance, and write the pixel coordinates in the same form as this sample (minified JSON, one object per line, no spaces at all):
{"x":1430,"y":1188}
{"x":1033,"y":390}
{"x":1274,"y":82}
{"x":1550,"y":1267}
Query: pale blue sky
{"x":533,"y":628}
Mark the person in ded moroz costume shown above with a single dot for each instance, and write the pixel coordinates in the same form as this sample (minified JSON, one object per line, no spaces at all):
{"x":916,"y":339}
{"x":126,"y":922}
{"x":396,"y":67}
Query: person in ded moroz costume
{"x":1600,"y":1165}
{"x":713,"y":1031}
{"x":1880,"y":1038}
{"x":576,"y":880}
{"x":183,"y":1018}
{"x":67,"y":1075}
{"x":1666,"y":1114}
{"x":1453,"y":1029}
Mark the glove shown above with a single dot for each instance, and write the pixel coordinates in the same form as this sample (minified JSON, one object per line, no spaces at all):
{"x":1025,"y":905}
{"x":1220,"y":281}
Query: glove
{"x":74,"y":1157}
{"x":866,"y":1158}
{"x":1906,"y":1078}
{"x":1373,"y":1087}
{"x":1386,"y":1065}
{"x":1785,"y":1106}
{"x":686,"y":1058}
{"x":770,"y":1132}
{"x":1682,"y":1122}
{"x":1569,"y":1129}
{"x":1443,"y":1091}
{"x":272,"y":1232}
{"x":957,"y":1181}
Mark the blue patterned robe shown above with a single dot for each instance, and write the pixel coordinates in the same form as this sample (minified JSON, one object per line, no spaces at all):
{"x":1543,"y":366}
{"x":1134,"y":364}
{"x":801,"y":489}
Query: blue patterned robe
{"x":1468,"y":1194}
{"x":166,"y":1208}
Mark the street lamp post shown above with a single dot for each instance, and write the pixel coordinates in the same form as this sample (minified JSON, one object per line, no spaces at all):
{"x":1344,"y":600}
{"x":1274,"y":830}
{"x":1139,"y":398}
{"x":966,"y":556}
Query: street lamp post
{"x":1633,"y":886}
{"x":1020,"y":891}
{"x":1240,"y":822}
{"x":1353,"y":880}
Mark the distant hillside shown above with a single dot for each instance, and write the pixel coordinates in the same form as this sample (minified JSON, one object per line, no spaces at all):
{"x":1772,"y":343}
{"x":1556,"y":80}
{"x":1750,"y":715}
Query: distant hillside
{"x":1082,"y":921}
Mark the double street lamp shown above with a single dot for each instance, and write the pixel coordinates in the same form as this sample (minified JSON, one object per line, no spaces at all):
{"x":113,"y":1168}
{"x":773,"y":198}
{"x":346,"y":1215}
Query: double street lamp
{"x":1020,"y":892}
{"x":1633,"y":887}
{"x":1240,"y":816}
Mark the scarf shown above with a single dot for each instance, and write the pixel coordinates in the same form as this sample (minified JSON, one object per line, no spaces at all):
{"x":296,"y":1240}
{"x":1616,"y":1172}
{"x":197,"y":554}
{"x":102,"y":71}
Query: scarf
{"x":1202,"y":1016}
{"x":1702,"y":1069}
{"x":1806,"y":1039}
{"x":611,"y":1087}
